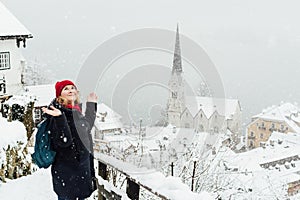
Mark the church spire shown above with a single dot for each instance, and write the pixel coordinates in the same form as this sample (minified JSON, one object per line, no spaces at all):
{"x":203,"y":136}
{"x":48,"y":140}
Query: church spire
{"x":177,"y":67}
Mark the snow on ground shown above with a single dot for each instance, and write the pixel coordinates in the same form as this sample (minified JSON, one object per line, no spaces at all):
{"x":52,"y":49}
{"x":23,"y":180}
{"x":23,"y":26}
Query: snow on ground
{"x":11,"y":133}
{"x":33,"y":187}
{"x":37,"y":186}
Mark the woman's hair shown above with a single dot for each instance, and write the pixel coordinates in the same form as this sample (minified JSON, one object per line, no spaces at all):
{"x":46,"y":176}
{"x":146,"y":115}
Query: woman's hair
{"x":64,"y":102}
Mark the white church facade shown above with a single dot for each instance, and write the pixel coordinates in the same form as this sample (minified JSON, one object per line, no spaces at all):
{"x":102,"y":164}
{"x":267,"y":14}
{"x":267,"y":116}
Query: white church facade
{"x":204,"y":114}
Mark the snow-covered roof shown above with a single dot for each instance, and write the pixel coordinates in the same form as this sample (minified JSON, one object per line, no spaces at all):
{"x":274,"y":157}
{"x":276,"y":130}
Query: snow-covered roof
{"x":43,"y":94}
{"x":286,"y":112}
{"x":225,"y":107}
{"x":288,"y":146}
{"x":21,"y":100}
{"x":112,"y":120}
{"x":279,"y":112}
{"x":288,"y":138}
{"x":10,"y":25}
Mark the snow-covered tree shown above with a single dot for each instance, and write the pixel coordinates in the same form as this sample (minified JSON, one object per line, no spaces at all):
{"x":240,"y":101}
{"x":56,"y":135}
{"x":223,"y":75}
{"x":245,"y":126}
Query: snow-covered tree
{"x":36,"y":74}
{"x":203,"y":90}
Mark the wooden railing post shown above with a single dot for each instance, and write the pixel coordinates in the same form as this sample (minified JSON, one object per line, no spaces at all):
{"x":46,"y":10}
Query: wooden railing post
{"x":102,"y":171}
{"x":132,"y":190}
{"x":193,"y":176}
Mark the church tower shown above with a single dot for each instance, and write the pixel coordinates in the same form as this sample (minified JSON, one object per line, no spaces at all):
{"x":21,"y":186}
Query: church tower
{"x":176,"y":100}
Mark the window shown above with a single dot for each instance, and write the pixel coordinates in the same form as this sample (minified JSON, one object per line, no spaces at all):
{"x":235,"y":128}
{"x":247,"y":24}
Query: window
{"x":37,"y":114}
{"x":201,"y":128}
{"x":4,"y":60}
{"x":201,"y":115}
{"x":273,"y":125}
{"x":261,"y":136}
{"x":174,"y":94}
{"x":251,"y":144}
{"x":252,"y":134}
{"x":186,"y":114}
{"x":216,"y":129}
{"x":262,"y":124}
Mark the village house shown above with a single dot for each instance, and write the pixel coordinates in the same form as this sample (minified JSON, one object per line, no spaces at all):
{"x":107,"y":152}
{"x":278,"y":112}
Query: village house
{"x":13,"y":36}
{"x":107,"y":121}
{"x":276,"y":163}
{"x":283,"y":118}
{"x":204,"y":114}
{"x":42,"y":96}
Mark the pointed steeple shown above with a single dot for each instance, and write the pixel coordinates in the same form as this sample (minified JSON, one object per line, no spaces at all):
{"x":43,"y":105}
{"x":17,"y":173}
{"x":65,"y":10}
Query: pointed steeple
{"x":177,"y":67}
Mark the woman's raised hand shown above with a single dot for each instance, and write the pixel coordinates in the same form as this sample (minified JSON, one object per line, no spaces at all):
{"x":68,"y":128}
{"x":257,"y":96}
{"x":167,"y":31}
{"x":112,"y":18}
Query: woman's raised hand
{"x":92,"y":97}
{"x":53,"y":111}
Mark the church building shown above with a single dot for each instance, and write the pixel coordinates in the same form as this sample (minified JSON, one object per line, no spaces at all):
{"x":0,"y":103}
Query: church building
{"x":204,"y":114}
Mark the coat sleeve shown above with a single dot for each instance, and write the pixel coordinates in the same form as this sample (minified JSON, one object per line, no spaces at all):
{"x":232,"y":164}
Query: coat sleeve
{"x":90,"y":114}
{"x":62,"y":132}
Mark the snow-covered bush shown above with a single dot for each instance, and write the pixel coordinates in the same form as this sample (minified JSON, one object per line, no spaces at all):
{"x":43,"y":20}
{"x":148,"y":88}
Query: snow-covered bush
{"x":20,"y":107}
{"x":15,"y":160}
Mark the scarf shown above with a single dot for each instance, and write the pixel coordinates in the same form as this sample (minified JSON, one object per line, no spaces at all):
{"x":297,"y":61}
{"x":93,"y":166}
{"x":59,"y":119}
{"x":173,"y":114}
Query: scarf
{"x":76,"y":106}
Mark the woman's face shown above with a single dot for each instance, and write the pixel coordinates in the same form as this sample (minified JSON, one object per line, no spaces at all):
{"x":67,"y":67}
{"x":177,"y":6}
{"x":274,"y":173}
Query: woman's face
{"x":69,"y":92}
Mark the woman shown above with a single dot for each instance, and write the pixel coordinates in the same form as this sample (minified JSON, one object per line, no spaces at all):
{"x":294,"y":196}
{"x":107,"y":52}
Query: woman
{"x":73,"y":173}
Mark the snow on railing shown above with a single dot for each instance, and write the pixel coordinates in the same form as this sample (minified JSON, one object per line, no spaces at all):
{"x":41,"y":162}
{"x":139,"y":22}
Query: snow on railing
{"x":155,"y":182}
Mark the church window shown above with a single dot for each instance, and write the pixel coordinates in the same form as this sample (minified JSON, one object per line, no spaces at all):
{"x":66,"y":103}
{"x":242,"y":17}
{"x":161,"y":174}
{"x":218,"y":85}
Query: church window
{"x":201,"y":128}
{"x":4,"y":60}
{"x":186,"y":114}
{"x":216,"y":129}
{"x":261,"y":136}
{"x":174,"y":94}
{"x":201,"y":115}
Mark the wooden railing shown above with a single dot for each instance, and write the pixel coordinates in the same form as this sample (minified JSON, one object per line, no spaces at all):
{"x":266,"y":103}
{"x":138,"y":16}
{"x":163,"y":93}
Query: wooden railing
{"x":132,"y":188}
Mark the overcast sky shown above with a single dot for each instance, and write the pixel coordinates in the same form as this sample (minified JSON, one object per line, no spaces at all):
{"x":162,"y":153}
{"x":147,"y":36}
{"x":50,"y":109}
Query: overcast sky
{"x":255,"y":44}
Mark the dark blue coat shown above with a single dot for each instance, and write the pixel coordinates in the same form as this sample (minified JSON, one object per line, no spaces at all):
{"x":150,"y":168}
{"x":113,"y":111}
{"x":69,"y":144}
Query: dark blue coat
{"x":73,"y":168}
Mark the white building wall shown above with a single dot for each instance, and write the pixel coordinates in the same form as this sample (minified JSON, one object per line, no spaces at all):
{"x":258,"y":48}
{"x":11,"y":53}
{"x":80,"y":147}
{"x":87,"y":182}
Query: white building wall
{"x":187,"y":119}
{"x":176,"y":100}
{"x":217,"y":123}
{"x":12,"y":75}
{"x":201,"y":123}
{"x":234,"y":125}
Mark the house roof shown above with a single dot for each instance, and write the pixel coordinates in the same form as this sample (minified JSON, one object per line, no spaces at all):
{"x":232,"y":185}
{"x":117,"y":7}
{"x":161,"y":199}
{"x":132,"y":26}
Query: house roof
{"x":285,"y":112}
{"x":11,"y":26}
{"x":225,"y":107}
{"x":43,"y":94}
{"x":112,"y":118}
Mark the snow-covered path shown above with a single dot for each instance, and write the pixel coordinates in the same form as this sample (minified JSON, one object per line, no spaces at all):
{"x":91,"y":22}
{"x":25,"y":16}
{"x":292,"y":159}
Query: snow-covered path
{"x":37,"y":186}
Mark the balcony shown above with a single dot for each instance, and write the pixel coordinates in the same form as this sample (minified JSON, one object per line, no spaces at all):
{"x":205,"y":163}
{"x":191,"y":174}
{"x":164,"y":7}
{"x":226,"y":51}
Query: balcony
{"x":262,"y":127}
{"x":272,"y":129}
{"x":251,"y":137}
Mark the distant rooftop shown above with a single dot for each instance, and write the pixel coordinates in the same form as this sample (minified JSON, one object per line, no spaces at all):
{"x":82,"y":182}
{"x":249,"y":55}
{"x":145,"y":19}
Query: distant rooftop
{"x":225,"y":107}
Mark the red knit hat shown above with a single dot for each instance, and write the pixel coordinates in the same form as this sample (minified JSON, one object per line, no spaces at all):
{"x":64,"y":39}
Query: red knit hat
{"x":59,"y":86}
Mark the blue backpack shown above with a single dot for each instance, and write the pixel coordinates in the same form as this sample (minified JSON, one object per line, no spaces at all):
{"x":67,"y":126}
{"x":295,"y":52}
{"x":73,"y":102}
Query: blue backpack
{"x":43,"y":156}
